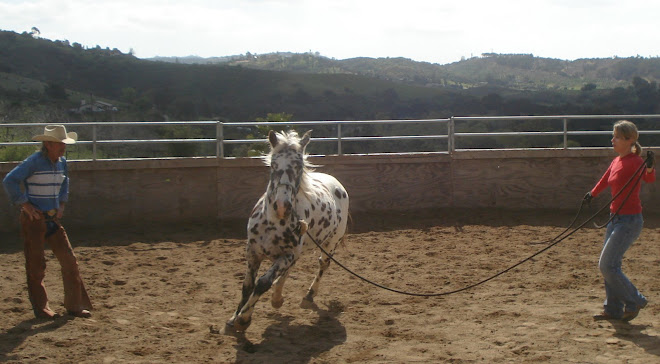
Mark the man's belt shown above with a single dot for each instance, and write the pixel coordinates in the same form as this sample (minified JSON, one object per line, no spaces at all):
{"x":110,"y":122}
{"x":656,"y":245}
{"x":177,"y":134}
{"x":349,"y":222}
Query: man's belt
{"x":51,"y":213}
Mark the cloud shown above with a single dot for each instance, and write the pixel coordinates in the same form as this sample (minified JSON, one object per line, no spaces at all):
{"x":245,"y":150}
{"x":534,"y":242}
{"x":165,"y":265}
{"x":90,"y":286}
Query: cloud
{"x":425,"y":30}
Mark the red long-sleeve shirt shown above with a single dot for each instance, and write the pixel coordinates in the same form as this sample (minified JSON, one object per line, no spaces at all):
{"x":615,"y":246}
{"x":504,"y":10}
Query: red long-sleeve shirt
{"x":617,"y":175}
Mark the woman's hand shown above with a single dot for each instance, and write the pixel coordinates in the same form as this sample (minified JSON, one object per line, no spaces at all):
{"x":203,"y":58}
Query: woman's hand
{"x":650,"y":159}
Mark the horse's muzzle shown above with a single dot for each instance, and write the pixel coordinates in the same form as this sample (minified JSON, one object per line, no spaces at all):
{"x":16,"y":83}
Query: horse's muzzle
{"x":283,"y":209}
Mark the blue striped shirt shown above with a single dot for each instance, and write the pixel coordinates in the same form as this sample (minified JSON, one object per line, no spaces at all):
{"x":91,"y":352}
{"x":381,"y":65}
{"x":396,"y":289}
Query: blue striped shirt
{"x":45,"y":184}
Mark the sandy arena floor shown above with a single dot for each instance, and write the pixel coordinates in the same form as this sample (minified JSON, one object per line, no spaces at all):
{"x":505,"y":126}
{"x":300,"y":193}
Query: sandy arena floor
{"x":163,"y":296}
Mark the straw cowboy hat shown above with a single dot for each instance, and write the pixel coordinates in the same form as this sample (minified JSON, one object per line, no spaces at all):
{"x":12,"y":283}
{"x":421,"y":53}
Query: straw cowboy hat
{"x":56,"y":133}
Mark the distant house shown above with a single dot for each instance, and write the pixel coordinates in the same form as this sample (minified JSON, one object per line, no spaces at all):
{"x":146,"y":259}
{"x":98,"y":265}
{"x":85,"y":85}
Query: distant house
{"x":96,"y":106}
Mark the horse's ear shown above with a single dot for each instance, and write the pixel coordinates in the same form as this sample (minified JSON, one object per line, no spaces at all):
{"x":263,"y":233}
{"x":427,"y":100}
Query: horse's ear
{"x":305,"y":139}
{"x":272,"y":138}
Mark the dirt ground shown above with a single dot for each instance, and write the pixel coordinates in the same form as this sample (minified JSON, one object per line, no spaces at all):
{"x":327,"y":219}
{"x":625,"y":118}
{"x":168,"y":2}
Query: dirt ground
{"x":163,"y":294}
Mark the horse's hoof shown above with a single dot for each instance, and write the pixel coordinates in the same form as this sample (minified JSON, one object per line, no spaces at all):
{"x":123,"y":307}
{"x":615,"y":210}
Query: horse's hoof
{"x":277,"y":303}
{"x":215,"y":330}
{"x":241,"y":325}
{"x":307,"y":303}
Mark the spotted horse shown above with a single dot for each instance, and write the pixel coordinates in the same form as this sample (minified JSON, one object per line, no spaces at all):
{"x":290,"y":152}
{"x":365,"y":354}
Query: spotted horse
{"x":297,"y":200}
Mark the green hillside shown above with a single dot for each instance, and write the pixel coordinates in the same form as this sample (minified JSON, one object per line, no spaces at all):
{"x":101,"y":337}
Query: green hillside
{"x":51,"y":81}
{"x":44,"y":79}
{"x":192,"y":91}
{"x":515,"y":71}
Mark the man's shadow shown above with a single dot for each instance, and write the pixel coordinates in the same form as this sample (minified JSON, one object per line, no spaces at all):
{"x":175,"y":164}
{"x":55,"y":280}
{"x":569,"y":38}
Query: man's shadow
{"x":14,"y":337}
{"x":287,"y":343}
{"x":634,"y":334}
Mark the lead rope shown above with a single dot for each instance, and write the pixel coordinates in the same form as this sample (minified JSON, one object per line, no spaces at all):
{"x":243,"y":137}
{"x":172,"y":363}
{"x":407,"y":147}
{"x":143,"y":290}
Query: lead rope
{"x":552,"y":243}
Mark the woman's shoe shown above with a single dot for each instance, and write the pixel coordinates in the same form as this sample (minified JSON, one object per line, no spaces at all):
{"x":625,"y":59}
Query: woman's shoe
{"x":629,"y":315}
{"x":605,"y":316}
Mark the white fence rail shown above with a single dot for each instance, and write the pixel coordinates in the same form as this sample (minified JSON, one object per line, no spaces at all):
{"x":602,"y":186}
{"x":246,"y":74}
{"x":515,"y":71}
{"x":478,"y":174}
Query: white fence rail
{"x":453,"y":131}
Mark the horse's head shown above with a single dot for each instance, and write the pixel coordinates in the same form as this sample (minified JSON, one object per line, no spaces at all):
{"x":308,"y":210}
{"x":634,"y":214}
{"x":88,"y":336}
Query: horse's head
{"x":287,"y":166}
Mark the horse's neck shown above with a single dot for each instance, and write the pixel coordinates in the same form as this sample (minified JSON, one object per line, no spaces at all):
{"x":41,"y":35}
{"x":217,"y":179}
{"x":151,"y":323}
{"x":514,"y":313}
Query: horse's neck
{"x":270,"y":213}
{"x":305,"y":190}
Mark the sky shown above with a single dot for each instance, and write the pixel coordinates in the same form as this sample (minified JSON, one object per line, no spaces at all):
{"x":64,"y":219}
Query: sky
{"x":436,"y":31}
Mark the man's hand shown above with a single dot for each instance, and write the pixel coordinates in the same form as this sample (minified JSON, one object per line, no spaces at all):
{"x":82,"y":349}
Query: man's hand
{"x":588,"y":197}
{"x":650,"y":159}
{"x":31,"y":211}
{"x":60,"y":211}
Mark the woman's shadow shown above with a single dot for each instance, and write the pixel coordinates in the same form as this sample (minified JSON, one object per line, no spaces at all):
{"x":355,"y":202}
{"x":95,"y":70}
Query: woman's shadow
{"x":293,"y":343}
{"x":14,"y":337}
{"x":634,"y":334}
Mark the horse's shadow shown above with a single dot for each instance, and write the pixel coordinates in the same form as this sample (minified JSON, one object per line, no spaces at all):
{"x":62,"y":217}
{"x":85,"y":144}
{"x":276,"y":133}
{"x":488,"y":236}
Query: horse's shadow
{"x":14,"y":337}
{"x":634,"y":334}
{"x":284,"y":342}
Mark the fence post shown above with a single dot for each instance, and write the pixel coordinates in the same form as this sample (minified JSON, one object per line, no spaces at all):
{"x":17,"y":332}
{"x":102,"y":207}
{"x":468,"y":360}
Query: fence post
{"x":220,"y":137}
{"x":94,"y":142}
{"x":565,"y":133}
{"x":450,"y":136}
{"x":339,"y":151}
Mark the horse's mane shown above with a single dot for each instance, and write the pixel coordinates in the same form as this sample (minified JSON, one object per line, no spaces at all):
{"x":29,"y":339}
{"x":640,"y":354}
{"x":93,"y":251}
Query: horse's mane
{"x":291,"y":140}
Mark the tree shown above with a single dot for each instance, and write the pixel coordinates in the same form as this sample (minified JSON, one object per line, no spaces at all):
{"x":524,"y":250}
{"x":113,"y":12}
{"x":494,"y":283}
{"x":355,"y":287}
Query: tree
{"x":647,"y":95}
{"x":128,"y":95}
{"x":492,"y":102}
{"x":181,"y":132}
{"x":262,"y":132}
{"x":55,"y":91}
{"x":589,"y":87}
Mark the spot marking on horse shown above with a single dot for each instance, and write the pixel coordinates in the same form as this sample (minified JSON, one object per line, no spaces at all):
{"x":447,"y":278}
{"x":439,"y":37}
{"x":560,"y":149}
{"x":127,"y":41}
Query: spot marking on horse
{"x":254,"y":229}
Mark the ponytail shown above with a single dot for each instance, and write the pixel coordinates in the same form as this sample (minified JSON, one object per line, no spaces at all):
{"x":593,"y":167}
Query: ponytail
{"x":628,"y":130}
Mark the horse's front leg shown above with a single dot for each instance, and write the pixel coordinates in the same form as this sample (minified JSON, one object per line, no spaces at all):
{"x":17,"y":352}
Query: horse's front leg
{"x":253,"y":265}
{"x":281,"y":265}
{"x":277,"y":299}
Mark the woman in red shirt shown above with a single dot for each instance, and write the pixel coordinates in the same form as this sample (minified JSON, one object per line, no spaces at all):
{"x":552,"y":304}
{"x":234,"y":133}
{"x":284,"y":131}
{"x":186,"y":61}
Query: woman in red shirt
{"x":623,"y":301}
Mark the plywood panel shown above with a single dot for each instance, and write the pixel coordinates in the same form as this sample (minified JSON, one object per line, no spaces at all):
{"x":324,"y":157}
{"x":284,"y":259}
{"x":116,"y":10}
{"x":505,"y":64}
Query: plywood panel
{"x":239,"y":189}
{"x":204,"y":190}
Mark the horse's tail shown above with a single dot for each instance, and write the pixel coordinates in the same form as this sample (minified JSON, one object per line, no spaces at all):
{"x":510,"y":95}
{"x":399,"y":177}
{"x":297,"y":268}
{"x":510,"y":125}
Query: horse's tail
{"x":342,"y":242}
{"x":350,"y":221}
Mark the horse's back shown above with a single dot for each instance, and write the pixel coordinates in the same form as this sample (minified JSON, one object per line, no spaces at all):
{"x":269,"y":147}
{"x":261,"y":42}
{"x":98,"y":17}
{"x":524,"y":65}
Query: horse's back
{"x":331,"y":183}
{"x":334,"y":187}
{"x":333,"y":192}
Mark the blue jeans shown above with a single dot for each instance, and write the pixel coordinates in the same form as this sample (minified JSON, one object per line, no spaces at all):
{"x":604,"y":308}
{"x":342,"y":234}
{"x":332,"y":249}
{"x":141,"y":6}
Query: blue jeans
{"x":620,"y":293}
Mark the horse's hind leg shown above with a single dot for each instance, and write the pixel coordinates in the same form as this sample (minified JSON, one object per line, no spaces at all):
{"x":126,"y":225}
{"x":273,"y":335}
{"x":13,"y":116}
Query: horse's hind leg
{"x":248,"y":286}
{"x":324,"y":262}
{"x":243,"y":319}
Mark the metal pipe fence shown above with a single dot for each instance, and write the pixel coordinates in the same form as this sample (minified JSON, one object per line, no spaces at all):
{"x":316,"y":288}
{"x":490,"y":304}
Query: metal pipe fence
{"x":344,"y":137}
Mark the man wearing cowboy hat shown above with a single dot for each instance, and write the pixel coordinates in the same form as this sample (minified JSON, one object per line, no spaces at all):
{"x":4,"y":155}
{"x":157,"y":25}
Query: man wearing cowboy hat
{"x":45,"y":182}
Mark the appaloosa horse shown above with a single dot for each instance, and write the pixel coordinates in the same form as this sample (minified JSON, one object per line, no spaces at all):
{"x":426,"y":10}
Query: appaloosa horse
{"x":297,"y":204}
